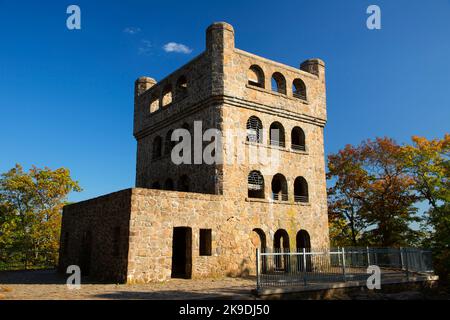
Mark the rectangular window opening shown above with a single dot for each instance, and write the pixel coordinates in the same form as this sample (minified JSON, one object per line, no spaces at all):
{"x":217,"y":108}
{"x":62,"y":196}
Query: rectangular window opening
{"x":205,"y":242}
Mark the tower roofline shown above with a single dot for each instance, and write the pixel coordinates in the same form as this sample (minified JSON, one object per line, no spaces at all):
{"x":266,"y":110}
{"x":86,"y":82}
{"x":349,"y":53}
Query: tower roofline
{"x":221,"y":25}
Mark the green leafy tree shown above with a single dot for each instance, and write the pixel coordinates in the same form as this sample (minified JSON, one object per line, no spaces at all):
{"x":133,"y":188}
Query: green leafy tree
{"x":30,"y":208}
{"x":429,"y":163}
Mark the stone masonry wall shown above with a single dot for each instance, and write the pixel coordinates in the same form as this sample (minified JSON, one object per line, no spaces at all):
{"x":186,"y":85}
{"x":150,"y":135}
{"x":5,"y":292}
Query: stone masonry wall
{"x":147,"y":217}
{"x":100,"y":216}
{"x":155,"y":213}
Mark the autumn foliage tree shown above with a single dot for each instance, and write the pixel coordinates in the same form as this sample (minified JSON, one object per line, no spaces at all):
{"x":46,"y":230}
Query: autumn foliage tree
{"x":372,"y":199}
{"x":30,"y":212}
{"x":345,"y":197}
{"x":428,"y":162}
{"x":377,"y":187}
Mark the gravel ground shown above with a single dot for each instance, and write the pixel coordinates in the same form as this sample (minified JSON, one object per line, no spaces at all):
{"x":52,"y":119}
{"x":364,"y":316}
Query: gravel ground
{"x":48,"y":285}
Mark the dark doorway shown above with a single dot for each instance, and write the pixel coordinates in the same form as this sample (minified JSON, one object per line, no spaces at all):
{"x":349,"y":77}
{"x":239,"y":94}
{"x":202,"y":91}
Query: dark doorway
{"x":304,"y":242}
{"x":281,"y":245}
{"x":182,"y":253}
{"x":86,"y":251}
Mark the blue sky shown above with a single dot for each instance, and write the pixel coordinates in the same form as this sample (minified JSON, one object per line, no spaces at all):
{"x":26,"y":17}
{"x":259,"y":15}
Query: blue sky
{"x":66,"y":97}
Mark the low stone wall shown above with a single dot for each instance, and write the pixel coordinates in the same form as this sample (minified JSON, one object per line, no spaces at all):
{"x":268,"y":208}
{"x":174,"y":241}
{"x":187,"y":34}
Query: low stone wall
{"x":146,"y":219}
{"x":105,"y":220}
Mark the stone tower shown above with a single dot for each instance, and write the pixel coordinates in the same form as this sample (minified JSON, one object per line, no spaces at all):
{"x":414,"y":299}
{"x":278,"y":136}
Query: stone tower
{"x":231,"y":90}
{"x":267,"y":187}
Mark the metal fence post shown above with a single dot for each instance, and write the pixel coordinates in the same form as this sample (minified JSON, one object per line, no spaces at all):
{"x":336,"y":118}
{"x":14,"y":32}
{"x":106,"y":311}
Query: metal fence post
{"x":407,"y":265}
{"x":343,"y":265}
{"x":421,"y":262}
{"x":258,"y":283}
{"x":368,"y":256}
{"x":339,"y":256}
{"x":401,"y":259}
{"x":304,"y":266}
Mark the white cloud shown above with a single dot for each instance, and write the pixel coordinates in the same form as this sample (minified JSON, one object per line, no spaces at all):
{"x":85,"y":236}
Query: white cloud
{"x":145,"y":48}
{"x":176,"y":47}
{"x":132,"y":30}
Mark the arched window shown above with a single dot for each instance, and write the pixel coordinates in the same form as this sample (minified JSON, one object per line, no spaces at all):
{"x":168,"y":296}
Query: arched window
{"x":299,"y":89}
{"x":166,"y":98}
{"x":255,"y":185}
{"x":182,"y":87}
{"x":301,"y":190}
{"x":157,"y":147}
{"x":281,"y":245}
{"x":278,"y":83}
{"x":154,"y":104}
{"x":169,"y":144}
{"x":261,"y":236}
{"x":168,"y":185}
{"x":277,"y":134}
{"x":255,"y":76}
{"x":303,"y":240}
{"x":279,"y":188}
{"x":254,"y":129}
{"x":303,"y":243}
{"x":183,"y":183}
{"x":298,"y":139}
{"x":156,"y":185}
{"x":259,"y":241}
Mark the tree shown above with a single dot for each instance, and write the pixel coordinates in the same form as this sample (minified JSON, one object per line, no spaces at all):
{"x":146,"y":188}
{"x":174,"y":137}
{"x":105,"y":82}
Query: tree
{"x":344,"y":204}
{"x":30,"y":207}
{"x":373,"y":193}
{"x":429,"y":163}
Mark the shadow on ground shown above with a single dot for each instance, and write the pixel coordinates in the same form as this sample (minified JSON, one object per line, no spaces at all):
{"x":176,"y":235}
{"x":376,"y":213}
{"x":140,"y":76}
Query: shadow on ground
{"x":219,"y":294}
{"x":50,"y":276}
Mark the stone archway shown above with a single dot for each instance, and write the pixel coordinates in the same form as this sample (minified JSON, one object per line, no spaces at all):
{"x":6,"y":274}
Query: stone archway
{"x":281,"y":245}
{"x":261,"y":243}
{"x":303,"y":243}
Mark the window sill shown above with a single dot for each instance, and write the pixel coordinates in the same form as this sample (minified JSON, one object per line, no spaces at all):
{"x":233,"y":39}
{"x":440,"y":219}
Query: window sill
{"x":271,"y":146}
{"x":178,"y":100}
{"x":270,"y":201}
{"x":306,"y":152}
{"x":278,"y":94}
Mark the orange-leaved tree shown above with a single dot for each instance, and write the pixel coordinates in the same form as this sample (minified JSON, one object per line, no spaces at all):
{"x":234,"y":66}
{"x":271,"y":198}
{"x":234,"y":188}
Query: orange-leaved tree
{"x":372,"y":197}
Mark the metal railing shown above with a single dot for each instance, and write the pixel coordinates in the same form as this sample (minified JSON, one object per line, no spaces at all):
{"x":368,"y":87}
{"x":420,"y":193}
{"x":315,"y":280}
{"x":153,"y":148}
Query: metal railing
{"x":280,"y":196}
{"x":282,"y":268}
{"x":298,"y":147}
{"x":254,"y":137}
{"x":277,"y":143}
{"x":298,"y":198}
{"x":300,"y":95}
